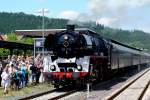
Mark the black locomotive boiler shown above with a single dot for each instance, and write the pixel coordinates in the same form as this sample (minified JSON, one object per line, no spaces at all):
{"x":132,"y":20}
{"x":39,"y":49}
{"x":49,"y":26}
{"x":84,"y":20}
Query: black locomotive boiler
{"x":81,"y":53}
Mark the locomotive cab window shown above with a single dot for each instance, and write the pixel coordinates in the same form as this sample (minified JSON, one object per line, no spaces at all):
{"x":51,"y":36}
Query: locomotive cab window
{"x":89,"y":45}
{"x":88,"y":41}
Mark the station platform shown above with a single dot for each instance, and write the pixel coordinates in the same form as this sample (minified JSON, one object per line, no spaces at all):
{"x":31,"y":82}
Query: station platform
{"x":147,"y":94}
{"x":134,"y":91}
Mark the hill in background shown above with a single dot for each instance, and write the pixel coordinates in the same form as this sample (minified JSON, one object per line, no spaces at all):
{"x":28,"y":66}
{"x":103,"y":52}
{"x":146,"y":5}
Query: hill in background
{"x":19,"y":21}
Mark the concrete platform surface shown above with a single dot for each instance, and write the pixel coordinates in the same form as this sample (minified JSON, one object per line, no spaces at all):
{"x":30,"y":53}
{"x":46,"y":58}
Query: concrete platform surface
{"x":147,"y":94}
{"x":134,"y":91}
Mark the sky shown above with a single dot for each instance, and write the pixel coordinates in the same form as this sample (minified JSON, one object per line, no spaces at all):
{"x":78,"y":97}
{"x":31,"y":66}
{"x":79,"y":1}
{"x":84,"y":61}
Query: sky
{"x":124,"y":14}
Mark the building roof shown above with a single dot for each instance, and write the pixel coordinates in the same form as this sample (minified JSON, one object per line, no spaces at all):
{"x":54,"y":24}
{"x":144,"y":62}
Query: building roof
{"x":15,"y":45}
{"x":1,"y":37}
{"x":38,"y":32}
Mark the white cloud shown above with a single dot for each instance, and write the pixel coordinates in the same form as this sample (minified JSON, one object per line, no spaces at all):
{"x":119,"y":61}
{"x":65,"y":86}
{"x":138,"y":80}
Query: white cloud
{"x":115,"y":8}
{"x":105,"y":5}
{"x":145,"y":28}
{"x":101,"y":6}
{"x":125,"y":14}
{"x":72,"y":15}
{"x":139,"y":3}
{"x":117,"y":13}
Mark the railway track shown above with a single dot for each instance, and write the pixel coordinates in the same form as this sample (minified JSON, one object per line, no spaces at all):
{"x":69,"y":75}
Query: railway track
{"x":37,"y":95}
{"x":50,"y":95}
{"x":60,"y":93}
{"x":134,"y":90}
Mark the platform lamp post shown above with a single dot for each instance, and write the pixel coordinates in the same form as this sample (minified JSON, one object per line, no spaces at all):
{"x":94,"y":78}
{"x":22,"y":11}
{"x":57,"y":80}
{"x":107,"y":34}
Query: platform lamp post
{"x":43,"y":11}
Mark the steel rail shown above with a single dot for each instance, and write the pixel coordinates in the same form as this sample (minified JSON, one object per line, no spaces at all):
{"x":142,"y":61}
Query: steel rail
{"x":37,"y":95}
{"x":144,"y":90}
{"x":125,"y":87}
{"x":49,"y":92}
{"x":63,"y":95}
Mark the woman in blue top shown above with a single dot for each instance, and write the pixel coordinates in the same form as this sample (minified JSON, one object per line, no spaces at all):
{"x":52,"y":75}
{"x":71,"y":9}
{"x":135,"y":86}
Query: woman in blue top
{"x":23,"y":74}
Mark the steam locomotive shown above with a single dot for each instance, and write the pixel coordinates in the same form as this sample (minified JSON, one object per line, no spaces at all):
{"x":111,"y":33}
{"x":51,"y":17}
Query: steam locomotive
{"x":82,"y":55}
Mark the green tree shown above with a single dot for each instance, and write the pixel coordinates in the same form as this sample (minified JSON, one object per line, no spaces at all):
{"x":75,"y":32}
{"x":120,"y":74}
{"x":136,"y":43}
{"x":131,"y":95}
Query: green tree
{"x":12,"y":37}
{"x":27,"y":40}
{"x":4,"y":52}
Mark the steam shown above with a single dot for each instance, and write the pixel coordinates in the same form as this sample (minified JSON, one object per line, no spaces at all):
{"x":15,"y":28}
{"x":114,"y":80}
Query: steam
{"x":112,"y":13}
{"x":115,"y":12}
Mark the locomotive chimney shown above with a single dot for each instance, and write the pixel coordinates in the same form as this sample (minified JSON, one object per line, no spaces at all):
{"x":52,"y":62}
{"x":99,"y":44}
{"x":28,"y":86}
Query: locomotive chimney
{"x":70,"y":27}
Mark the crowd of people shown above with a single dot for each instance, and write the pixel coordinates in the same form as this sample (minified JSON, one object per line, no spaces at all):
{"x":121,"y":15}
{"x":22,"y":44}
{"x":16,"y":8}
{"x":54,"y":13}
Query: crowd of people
{"x":18,"y":71}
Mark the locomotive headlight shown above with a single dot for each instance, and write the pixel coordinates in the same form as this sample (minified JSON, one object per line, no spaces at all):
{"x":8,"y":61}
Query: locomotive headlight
{"x":52,"y":67}
{"x":65,"y":37}
{"x":79,"y":67}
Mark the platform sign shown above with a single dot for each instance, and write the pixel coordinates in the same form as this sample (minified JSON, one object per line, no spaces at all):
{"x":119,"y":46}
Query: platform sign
{"x":39,"y":47}
{"x":39,"y":42}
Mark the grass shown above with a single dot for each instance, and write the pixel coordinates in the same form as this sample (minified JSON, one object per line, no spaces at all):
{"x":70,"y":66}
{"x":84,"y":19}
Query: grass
{"x":32,"y":89}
